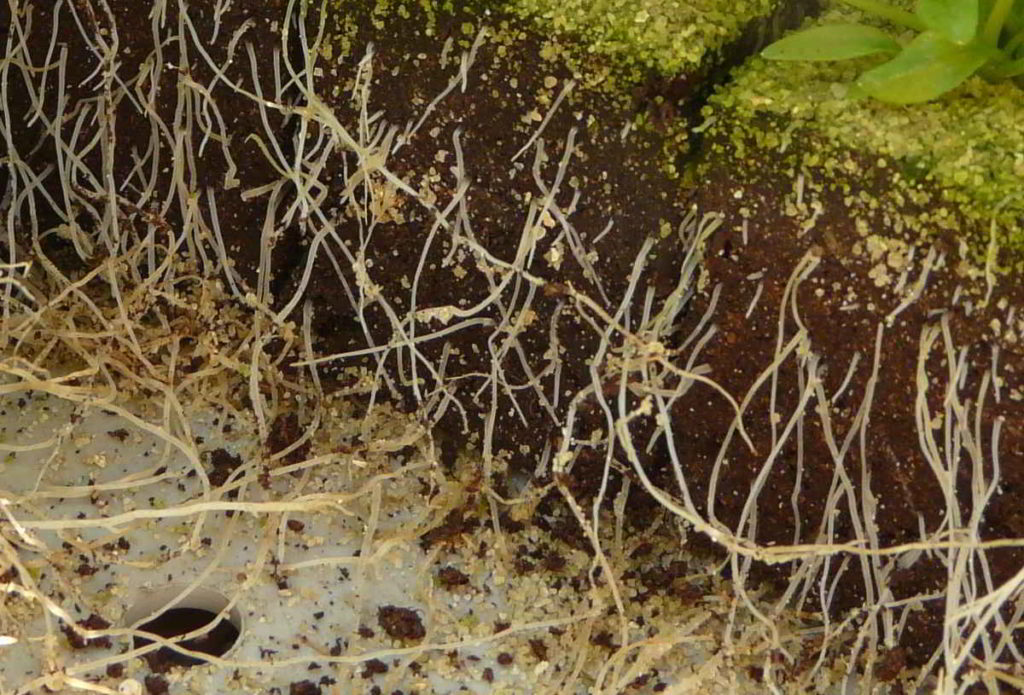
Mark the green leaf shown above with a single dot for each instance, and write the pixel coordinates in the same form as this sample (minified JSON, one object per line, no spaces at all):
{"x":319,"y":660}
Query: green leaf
{"x":928,"y":67}
{"x":1015,"y":21}
{"x":896,"y":15}
{"x":957,"y":20}
{"x":1008,"y":69}
{"x":995,"y":21}
{"x":832,"y":42}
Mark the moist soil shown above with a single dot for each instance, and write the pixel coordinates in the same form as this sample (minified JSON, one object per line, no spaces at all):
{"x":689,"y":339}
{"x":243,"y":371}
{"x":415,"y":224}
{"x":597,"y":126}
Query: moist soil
{"x":54,"y":31}
{"x":493,"y":118}
{"x":841,"y":307}
{"x":608,"y":177}
{"x":620,"y":179}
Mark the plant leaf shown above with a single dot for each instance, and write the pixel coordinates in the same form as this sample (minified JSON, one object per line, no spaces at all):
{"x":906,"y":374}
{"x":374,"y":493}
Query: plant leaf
{"x":928,"y":67}
{"x":832,"y":42}
{"x":1015,"y":22}
{"x":957,"y":20}
{"x":1008,"y":69}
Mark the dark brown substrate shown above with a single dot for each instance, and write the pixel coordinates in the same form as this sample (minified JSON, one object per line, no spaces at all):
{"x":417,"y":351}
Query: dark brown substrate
{"x":619,"y":180}
{"x":53,"y":37}
{"x":842,"y":307}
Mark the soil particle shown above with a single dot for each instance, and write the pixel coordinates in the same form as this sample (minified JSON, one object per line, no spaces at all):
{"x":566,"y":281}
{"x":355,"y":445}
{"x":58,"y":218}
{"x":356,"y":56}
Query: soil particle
{"x":553,"y":562}
{"x":450,"y":577}
{"x":156,"y":685}
{"x":86,"y":570}
{"x":456,"y":523}
{"x":224,"y":463}
{"x":401,"y":623}
{"x":306,"y":687}
{"x":890,"y":663}
{"x":373,"y":667}
{"x":604,"y":639}
{"x":523,"y":566}
{"x":552,"y":518}
{"x":639,"y":682}
{"x":93,"y":622}
{"x":285,"y":431}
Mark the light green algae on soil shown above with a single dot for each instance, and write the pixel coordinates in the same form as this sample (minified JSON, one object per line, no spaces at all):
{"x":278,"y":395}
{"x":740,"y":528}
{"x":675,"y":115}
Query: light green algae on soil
{"x":969,"y":144}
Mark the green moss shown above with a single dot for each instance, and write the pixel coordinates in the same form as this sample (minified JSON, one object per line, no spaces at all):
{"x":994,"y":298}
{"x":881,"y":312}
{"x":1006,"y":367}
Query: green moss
{"x":969,"y":145}
{"x":669,"y":36}
{"x":631,"y":37}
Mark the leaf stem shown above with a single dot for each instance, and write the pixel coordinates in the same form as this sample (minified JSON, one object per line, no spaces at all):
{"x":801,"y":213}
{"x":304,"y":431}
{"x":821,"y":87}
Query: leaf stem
{"x":893,"y":14}
{"x":1008,"y":69}
{"x":996,"y":20}
{"x":1014,"y":43}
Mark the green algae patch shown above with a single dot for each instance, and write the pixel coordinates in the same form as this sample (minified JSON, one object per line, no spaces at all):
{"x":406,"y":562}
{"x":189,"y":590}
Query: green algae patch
{"x":655,"y":57}
{"x":963,"y":152}
{"x":669,"y":36}
{"x":634,"y":37}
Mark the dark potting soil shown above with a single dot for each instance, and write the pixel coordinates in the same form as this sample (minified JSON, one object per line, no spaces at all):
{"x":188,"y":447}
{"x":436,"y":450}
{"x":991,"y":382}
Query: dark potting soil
{"x":619,"y":179}
{"x":493,"y":118}
{"x":841,"y":306}
{"x":609,"y":177}
{"x":146,"y":120}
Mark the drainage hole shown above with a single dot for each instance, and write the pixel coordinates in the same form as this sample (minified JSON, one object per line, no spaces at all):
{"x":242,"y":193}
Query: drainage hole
{"x":179,"y":621}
